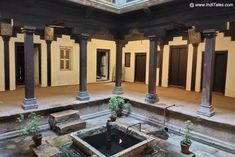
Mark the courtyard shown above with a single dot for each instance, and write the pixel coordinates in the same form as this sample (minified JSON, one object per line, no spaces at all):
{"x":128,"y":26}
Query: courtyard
{"x":117,"y":78}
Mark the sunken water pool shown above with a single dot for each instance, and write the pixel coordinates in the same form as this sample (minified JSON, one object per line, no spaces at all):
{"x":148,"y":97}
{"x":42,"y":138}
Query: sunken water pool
{"x":113,"y":140}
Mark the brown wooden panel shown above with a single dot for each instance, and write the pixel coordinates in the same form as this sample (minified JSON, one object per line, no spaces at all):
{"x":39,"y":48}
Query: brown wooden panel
{"x":127,"y":59}
{"x":178,"y":66}
{"x":140,"y":67}
{"x":220,"y":72}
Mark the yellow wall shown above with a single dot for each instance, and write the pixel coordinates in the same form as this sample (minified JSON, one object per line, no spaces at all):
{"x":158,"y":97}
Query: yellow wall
{"x":37,"y":40}
{"x":133,"y":47}
{"x":93,"y":45}
{"x":64,"y":77}
{"x":2,"y":73}
{"x":177,"y":41}
{"x":221,"y":44}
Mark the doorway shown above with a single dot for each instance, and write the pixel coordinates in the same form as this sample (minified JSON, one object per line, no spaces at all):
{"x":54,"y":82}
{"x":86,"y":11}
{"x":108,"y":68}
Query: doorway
{"x":220,"y":71}
{"x":19,"y":64}
{"x":102,"y":65}
{"x":178,"y":66}
{"x":140,"y":67}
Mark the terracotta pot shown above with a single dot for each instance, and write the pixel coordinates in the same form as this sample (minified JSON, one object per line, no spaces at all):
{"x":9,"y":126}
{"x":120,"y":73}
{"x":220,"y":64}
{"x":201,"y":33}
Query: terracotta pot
{"x":37,"y":139}
{"x":185,"y":148}
{"x":119,"y":112}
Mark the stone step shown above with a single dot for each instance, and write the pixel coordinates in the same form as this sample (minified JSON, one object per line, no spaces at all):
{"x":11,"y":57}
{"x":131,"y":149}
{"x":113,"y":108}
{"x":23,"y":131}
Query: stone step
{"x":67,"y":127}
{"x":63,"y":116}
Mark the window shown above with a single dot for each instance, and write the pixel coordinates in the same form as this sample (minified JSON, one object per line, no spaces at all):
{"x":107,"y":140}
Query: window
{"x":65,"y":58}
{"x":128,"y":59}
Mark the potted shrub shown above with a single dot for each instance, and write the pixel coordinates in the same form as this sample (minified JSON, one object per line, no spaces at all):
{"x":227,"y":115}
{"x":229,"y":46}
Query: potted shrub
{"x":117,"y":104}
{"x":32,"y":127}
{"x":186,"y":142}
{"x":113,"y":116}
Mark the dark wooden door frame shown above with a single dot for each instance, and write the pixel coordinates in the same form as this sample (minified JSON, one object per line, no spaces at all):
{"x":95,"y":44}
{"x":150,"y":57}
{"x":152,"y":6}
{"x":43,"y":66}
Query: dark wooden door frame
{"x":169,"y":67}
{"x":216,"y":52}
{"x":108,"y":52}
{"x":140,"y":53}
{"x":38,"y":45}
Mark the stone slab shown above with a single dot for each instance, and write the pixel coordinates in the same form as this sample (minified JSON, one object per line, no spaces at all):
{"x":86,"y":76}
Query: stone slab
{"x":63,"y":128}
{"x":63,"y":115}
{"x":46,"y":150}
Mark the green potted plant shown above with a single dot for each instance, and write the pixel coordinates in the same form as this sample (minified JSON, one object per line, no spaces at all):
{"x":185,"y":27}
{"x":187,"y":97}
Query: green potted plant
{"x":32,"y":127}
{"x":94,"y":155}
{"x":118,"y":104}
{"x":186,"y":142}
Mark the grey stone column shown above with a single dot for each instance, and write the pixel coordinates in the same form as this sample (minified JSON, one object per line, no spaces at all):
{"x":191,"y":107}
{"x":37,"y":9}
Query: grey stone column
{"x":6,"y":61}
{"x":83,"y":93}
{"x":206,"y":107}
{"x":151,"y":96}
{"x":118,"y":80}
{"x":30,"y":101}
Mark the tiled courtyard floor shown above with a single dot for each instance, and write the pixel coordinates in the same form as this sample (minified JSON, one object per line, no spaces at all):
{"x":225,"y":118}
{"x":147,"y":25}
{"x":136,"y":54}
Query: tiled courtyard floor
{"x":186,"y":102}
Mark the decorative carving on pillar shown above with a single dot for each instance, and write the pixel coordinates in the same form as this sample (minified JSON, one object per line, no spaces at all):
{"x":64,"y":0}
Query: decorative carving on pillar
{"x":83,"y":93}
{"x":30,"y":101}
{"x":118,"y":77}
{"x":6,"y":32}
{"x":206,"y":107}
{"x":151,"y":96}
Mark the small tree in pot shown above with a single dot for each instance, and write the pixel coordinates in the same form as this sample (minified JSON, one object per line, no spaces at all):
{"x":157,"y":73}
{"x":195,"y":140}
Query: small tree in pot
{"x":117,"y":104}
{"x":32,"y":127}
{"x":186,"y":142}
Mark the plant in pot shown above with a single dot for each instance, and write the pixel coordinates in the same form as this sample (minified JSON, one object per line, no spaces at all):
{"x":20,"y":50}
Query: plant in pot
{"x":32,"y":127}
{"x":186,"y":142}
{"x":117,"y":104}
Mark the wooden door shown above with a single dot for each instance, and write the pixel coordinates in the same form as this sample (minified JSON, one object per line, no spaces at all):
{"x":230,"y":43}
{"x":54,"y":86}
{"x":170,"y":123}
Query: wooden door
{"x":220,"y":72}
{"x":140,"y":67}
{"x":178,"y":66}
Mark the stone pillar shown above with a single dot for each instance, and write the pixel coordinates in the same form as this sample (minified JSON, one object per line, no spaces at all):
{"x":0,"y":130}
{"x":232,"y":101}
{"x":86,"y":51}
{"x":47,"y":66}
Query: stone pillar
{"x":48,"y":62}
{"x":83,"y":93}
{"x":206,"y":108}
{"x":118,"y":77}
{"x":30,"y":101}
{"x":194,"y":67}
{"x":6,"y":61}
{"x":152,"y":97}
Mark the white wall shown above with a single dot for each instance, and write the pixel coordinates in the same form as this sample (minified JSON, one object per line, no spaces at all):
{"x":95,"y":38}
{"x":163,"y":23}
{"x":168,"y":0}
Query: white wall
{"x":221,"y":44}
{"x":64,"y":77}
{"x":2,"y":71}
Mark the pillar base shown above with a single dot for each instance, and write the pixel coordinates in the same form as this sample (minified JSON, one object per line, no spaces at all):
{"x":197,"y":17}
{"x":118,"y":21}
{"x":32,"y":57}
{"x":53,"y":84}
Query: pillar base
{"x":29,"y":104}
{"x":151,"y":98}
{"x":83,"y":96}
{"x":118,"y":90}
{"x":206,"y":110}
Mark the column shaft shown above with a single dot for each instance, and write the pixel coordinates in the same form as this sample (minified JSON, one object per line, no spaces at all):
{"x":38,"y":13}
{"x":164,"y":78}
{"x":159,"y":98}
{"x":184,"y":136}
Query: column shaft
{"x":6,"y":62}
{"x":48,"y":63}
{"x":151,"y":96}
{"x":83,"y":93}
{"x":206,"y":108}
{"x":30,"y":100}
{"x":118,"y":80}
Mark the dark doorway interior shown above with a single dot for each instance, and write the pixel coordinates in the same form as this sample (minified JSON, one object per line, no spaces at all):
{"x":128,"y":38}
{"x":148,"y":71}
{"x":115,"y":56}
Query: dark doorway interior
{"x":19,"y":64}
{"x":178,"y":66}
{"x":102,"y":67}
{"x":220,"y":69}
{"x":140,"y":67}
